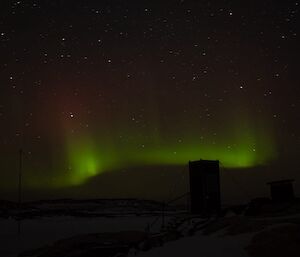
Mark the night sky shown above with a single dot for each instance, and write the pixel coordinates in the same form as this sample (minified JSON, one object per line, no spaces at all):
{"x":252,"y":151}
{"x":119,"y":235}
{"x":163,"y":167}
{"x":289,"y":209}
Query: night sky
{"x":113,"y":98}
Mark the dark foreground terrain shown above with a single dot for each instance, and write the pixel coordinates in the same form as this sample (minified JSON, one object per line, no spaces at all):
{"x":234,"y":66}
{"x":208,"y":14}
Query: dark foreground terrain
{"x":260,"y":229}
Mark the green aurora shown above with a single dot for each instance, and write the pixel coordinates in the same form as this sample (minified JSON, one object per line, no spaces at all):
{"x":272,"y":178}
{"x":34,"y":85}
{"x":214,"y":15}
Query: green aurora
{"x":244,"y":147}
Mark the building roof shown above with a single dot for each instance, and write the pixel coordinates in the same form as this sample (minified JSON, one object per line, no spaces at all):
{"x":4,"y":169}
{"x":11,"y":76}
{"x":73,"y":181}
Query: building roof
{"x":281,"y":182}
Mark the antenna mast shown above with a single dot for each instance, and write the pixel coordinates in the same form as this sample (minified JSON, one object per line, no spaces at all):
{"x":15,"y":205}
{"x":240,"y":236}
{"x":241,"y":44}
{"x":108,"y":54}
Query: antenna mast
{"x":20,"y":177}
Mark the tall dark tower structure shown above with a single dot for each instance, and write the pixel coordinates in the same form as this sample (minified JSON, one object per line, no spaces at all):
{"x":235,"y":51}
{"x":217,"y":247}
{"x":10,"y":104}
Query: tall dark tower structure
{"x":205,"y":187}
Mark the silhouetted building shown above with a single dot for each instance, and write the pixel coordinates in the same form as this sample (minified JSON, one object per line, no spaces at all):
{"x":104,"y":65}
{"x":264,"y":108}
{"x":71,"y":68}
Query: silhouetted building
{"x":282,"y":190}
{"x":205,"y":187}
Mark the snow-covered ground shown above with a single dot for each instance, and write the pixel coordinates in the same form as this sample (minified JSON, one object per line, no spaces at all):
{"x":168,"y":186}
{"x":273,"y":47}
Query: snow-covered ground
{"x":202,"y":246}
{"x":227,"y":236}
{"x":36,"y":233}
{"x":43,"y":231}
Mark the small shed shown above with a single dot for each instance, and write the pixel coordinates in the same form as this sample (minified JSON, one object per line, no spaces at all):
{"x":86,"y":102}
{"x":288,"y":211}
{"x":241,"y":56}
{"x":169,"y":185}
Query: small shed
{"x":282,"y":190}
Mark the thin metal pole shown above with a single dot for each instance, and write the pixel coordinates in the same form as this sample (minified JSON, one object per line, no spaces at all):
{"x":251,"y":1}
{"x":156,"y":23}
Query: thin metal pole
{"x":20,"y":178}
{"x":20,"y":189}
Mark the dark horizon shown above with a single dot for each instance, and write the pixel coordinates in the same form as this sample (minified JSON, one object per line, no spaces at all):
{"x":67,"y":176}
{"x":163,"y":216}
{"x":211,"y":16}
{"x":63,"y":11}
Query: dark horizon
{"x":137,"y":183}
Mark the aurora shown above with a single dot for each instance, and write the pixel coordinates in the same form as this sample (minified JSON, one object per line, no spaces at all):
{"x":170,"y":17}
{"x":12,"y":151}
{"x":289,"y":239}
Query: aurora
{"x":243,"y":148}
{"x":97,"y":92}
